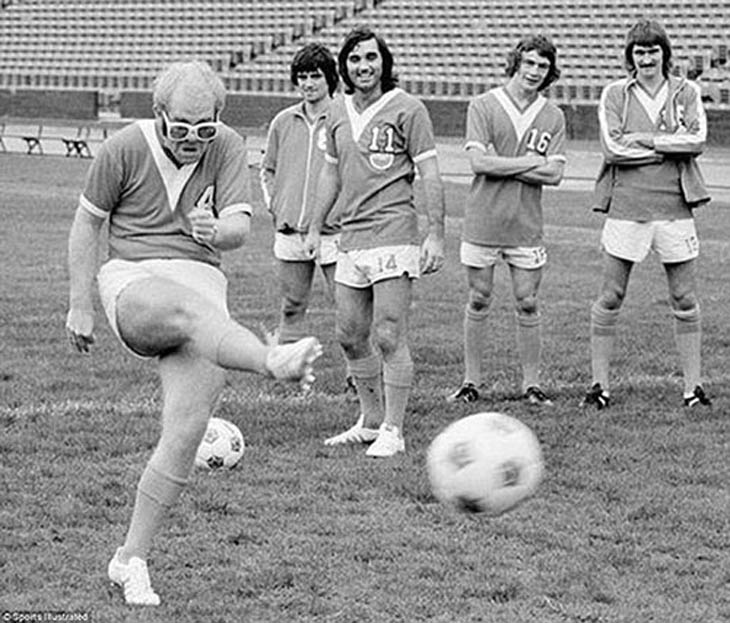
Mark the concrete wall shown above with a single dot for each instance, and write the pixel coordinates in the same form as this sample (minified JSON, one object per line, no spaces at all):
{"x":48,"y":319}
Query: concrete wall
{"x":241,"y":111}
{"x":449,"y":116}
{"x":51,"y":103}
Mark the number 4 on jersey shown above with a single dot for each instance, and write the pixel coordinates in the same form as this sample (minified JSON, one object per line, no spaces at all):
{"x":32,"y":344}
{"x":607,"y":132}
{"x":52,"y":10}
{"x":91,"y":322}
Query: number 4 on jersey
{"x":206,"y":201}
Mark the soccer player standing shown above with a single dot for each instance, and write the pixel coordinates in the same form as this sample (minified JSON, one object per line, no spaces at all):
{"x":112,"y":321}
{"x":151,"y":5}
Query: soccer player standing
{"x":652,"y":127}
{"x":173,"y":191}
{"x":377,"y":135}
{"x":290,"y":169}
{"x":515,"y":141}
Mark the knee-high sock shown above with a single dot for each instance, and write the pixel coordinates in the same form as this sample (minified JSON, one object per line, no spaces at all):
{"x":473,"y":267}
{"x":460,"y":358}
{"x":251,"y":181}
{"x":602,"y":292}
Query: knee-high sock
{"x":475,"y":330}
{"x":603,"y":337}
{"x":529,"y":343}
{"x":368,"y":375}
{"x":397,"y":379}
{"x":688,"y":337}
{"x":157,"y":491}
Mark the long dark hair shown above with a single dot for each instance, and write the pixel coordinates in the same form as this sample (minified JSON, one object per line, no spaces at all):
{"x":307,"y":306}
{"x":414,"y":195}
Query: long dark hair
{"x":357,"y":35}
{"x":312,"y":57}
{"x":648,"y":32}
{"x":544,"y":47}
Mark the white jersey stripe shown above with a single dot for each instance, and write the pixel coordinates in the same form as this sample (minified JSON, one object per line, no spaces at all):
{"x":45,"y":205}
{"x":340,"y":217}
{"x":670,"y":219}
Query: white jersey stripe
{"x":521,"y":120}
{"x":173,"y":178}
{"x":359,"y":121}
{"x":652,"y":105}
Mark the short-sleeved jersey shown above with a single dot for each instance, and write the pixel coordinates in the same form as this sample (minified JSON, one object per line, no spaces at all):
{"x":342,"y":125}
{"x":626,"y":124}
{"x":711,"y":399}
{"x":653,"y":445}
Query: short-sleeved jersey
{"x":294,"y":153}
{"x":376,"y":152}
{"x":647,"y":185}
{"x":148,"y":197}
{"x":504,"y":211}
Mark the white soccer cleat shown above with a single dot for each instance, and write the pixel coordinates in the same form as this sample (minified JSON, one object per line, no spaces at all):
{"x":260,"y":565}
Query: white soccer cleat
{"x":134,"y":580}
{"x":293,"y":362}
{"x":355,"y":434}
{"x":389,"y":442}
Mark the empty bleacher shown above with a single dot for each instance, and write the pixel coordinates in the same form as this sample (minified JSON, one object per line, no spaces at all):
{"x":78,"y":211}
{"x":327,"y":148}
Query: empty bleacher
{"x":123,"y":44}
{"x":446,"y":49}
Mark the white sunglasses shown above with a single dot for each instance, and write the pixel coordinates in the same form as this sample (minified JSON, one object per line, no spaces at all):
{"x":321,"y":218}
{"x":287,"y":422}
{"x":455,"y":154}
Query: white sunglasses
{"x":180,"y":131}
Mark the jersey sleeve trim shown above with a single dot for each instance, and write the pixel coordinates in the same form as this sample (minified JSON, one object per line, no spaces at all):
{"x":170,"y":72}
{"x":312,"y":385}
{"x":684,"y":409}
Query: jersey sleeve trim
{"x":236,"y":208}
{"x":430,"y":153}
{"x":476,"y":145}
{"x":91,"y":208}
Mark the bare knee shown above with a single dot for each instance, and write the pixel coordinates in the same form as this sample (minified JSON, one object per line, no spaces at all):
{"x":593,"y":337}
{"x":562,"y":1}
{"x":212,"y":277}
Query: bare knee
{"x":684,"y":301}
{"x":526,"y":305}
{"x":386,"y":335}
{"x":353,"y":338}
{"x":294,"y":308}
{"x":151,"y":329}
{"x":611,"y":297}
{"x":479,"y":301}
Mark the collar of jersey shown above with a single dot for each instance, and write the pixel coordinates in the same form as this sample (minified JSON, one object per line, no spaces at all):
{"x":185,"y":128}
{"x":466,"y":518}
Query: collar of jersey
{"x":173,"y":178}
{"x":652,"y":105}
{"x":359,"y":121}
{"x":521,"y":119}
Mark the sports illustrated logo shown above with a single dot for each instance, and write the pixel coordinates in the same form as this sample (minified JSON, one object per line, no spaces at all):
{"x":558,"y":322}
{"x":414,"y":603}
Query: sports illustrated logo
{"x":511,"y":472}
{"x":382,"y":146}
{"x":460,"y":455}
{"x":206,"y":200}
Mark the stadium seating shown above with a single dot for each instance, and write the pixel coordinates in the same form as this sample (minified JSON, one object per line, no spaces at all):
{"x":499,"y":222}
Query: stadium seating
{"x":443,"y":48}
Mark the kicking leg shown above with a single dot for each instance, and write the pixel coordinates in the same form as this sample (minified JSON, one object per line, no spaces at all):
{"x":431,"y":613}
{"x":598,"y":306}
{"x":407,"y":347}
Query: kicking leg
{"x":158,"y":316}
{"x":191,"y":386}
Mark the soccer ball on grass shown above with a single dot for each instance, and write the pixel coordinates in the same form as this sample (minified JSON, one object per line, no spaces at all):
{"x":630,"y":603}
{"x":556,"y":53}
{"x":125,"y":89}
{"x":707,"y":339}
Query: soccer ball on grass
{"x":485,"y":463}
{"x":222,"y":446}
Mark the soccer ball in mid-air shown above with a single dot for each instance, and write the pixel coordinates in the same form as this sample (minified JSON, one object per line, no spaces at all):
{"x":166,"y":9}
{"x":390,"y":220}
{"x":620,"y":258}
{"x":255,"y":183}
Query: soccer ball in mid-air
{"x":485,"y":463}
{"x":222,"y":446}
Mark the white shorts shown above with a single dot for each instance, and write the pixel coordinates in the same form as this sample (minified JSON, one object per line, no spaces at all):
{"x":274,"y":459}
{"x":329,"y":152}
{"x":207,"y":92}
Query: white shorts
{"x":116,"y":275}
{"x":673,"y":241}
{"x":290,"y":248}
{"x":362,"y":268}
{"x":479,"y":256}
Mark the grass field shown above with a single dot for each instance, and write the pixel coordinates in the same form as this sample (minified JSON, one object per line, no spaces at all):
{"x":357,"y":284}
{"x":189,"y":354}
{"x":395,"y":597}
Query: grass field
{"x":631,"y":525}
